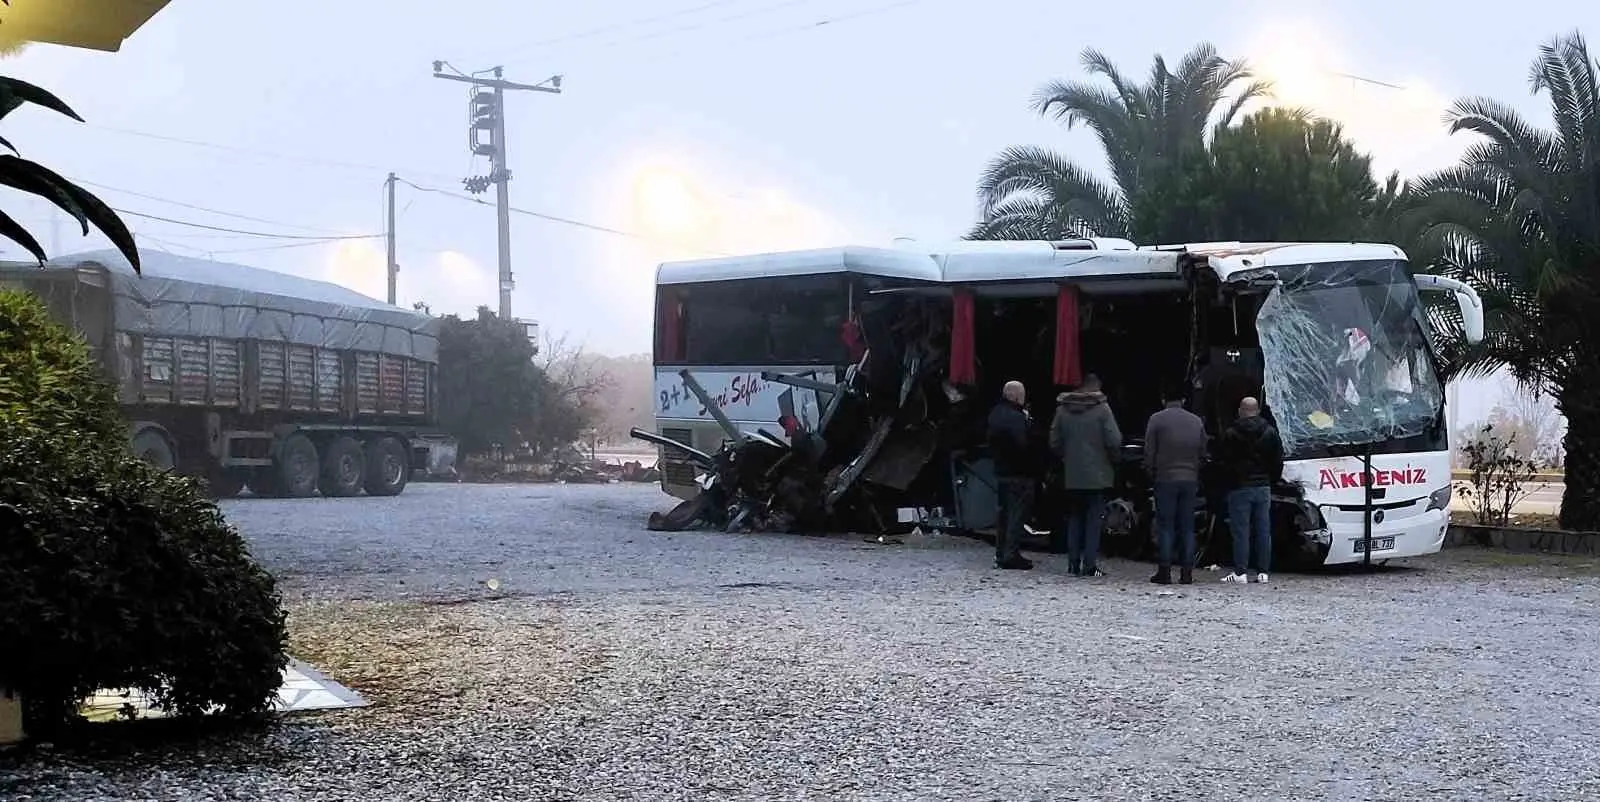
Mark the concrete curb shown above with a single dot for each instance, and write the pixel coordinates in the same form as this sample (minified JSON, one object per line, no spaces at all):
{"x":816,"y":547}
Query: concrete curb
{"x":1546,"y":541}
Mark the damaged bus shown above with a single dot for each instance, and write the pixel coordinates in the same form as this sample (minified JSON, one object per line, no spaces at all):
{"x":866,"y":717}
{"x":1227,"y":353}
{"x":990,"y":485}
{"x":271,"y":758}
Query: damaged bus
{"x":889,"y":358}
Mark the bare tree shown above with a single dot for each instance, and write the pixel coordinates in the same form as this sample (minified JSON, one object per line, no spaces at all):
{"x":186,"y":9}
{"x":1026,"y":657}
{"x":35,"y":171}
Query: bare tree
{"x":577,"y":377}
{"x":1533,"y":419}
{"x":629,"y":400}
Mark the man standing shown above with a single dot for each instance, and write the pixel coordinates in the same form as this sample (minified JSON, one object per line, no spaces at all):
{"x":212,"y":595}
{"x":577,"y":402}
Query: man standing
{"x":1085,"y":436}
{"x":1174,"y":446}
{"x":1252,"y":452}
{"x":1014,"y":470}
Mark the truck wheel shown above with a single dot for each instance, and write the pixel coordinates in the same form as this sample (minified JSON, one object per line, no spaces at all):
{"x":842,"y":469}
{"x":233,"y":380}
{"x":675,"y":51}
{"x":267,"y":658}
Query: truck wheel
{"x":152,"y":447}
{"x":388,"y":467}
{"x":344,"y":468}
{"x":296,"y":467}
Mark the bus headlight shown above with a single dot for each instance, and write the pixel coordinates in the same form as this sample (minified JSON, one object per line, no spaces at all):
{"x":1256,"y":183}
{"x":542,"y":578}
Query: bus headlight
{"x":1440,"y":499}
{"x":1309,"y":516}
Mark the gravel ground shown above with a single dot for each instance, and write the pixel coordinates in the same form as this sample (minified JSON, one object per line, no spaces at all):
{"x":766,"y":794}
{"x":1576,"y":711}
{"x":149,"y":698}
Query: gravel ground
{"x":615,"y":663}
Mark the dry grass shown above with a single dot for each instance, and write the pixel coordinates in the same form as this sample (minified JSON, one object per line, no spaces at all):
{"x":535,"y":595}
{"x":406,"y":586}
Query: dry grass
{"x":405,"y":657}
{"x":1542,"y":562}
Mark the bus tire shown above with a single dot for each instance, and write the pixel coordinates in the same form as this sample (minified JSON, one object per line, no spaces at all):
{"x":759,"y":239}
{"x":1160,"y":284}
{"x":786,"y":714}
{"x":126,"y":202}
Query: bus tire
{"x":154,"y":448}
{"x":344,"y":468}
{"x":388,"y":467}
{"x":296,"y":468}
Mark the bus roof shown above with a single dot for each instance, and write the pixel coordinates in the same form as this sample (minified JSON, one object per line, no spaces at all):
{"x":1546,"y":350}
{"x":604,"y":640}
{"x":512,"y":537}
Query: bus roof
{"x":1227,"y":259}
{"x":885,"y":262}
{"x":960,"y":263}
{"x":1025,"y":266}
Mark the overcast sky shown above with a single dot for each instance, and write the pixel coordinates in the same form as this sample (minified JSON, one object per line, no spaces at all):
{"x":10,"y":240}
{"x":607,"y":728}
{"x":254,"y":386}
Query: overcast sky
{"x":697,"y":125}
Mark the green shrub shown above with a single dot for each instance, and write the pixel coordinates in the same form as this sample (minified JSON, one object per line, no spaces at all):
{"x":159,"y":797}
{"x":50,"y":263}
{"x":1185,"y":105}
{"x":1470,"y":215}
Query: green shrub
{"x":113,"y":574}
{"x":50,"y":381}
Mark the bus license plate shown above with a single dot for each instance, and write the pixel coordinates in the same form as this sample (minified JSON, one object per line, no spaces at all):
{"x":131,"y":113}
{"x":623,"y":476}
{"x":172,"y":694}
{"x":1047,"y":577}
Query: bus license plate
{"x":1378,"y":544}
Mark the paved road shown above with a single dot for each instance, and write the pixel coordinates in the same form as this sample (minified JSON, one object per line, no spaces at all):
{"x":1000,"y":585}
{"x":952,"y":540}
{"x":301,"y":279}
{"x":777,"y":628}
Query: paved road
{"x":617,"y":664}
{"x":1544,"y":498}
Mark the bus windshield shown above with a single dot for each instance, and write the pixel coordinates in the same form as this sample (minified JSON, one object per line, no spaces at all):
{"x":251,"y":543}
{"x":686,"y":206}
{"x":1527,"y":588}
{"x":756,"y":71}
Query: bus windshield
{"x":1348,"y":361}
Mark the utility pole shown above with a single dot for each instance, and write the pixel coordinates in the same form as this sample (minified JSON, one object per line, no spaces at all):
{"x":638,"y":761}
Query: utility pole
{"x":388,"y":232}
{"x":487,"y":110}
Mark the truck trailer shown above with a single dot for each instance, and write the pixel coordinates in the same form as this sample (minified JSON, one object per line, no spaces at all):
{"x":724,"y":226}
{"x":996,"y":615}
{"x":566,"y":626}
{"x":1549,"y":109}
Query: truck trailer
{"x":249,"y":378}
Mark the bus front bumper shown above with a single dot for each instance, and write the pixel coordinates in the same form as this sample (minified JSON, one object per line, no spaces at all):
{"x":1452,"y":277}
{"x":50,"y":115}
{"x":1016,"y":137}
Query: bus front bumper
{"x":1411,"y":536}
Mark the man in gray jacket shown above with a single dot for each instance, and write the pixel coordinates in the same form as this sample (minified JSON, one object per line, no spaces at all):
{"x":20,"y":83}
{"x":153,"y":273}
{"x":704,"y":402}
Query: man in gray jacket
{"x":1085,"y":436}
{"x":1174,"y":447}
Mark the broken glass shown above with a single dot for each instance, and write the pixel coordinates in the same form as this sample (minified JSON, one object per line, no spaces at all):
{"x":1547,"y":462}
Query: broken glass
{"x":1348,"y":360}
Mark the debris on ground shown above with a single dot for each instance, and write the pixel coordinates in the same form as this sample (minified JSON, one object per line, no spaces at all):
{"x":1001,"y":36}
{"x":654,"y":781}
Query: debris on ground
{"x":565,"y":467}
{"x":878,"y":433}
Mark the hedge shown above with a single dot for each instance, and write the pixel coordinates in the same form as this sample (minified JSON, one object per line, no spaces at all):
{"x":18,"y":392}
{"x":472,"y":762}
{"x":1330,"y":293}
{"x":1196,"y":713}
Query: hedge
{"x":113,"y":574}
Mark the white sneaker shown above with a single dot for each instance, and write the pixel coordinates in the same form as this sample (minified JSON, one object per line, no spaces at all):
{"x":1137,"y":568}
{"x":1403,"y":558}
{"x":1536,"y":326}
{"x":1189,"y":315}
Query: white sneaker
{"x":1236,"y":578}
{"x":1261,"y":578}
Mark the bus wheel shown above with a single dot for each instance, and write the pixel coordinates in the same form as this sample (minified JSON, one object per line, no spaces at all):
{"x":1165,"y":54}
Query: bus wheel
{"x":388,"y":467}
{"x":344,"y":467}
{"x":296,"y":467}
{"x":151,"y":446}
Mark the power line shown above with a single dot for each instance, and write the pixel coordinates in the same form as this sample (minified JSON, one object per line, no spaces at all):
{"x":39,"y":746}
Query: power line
{"x":268,"y":235}
{"x":755,"y":12}
{"x":747,"y":38}
{"x":559,"y":40}
{"x":205,"y":209}
{"x":283,"y":246}
{"x":804,"y":27}
{"x":310,"y":160}
{"x":168,"y":246}
{"x":555,"y":219}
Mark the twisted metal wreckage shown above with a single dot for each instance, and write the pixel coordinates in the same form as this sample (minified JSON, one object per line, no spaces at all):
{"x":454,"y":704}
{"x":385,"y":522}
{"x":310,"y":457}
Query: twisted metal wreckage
{"x":879,"y":431}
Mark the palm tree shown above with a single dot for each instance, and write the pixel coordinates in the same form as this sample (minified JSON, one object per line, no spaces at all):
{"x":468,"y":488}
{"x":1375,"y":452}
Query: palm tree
{"x":1519,"y":219}
{"x":36,"y":179}
{"x":1148,"y":132}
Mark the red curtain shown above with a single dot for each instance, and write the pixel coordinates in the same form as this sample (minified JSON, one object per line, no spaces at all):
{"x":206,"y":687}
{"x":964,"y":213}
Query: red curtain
{"x":850,"y":335}
{"x":963,"y":357}
{"x":1069,"y":366}
{"x":669,"y":327}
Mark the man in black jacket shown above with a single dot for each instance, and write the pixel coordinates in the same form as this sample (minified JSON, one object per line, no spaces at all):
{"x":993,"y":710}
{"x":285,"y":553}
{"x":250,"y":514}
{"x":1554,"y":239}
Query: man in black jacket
{"x":1252,"y":454}
{"x":1012,"y":452}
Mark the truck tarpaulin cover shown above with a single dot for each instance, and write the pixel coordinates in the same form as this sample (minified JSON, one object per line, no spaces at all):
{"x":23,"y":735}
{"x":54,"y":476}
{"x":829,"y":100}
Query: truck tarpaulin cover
{"x":184,"y":297}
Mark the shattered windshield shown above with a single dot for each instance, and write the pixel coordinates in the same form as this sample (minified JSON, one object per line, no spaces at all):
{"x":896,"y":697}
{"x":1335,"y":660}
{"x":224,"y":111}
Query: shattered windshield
{"x":1348,"y":360}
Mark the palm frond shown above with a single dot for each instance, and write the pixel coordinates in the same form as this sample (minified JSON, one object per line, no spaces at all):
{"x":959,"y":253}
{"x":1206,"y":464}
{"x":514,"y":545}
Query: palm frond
{"x":1027,"y":218}
{"x":1565,"y":71}
{"x":1043,"y":174}
{"x":1106,"y":114}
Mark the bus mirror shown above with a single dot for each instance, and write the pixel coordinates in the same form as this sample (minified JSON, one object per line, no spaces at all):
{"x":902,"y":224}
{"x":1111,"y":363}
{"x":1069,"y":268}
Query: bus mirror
{"x":1467,"y":301}
{"x":1471,"y":316}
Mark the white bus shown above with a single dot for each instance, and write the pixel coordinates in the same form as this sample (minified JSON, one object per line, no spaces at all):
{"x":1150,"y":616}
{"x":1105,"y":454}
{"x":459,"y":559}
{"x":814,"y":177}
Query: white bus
{"x":1333,"y":336}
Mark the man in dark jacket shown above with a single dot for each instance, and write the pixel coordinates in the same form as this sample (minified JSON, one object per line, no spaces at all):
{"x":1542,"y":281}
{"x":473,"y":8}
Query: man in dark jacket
{"x":1252,"y":453}
{"x":1174,"y":447}
{"x":1014,"y":471}
{"x":1085,"y":436}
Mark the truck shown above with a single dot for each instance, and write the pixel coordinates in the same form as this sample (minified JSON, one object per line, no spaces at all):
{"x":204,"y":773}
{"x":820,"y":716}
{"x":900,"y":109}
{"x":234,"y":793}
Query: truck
{"x":249,"y":378}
